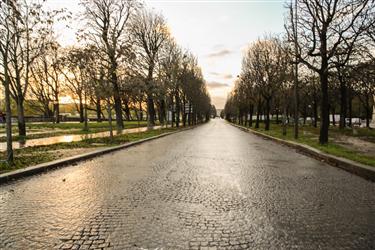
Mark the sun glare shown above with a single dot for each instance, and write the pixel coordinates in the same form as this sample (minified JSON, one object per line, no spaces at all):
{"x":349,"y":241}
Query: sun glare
{"x":66,"y":100}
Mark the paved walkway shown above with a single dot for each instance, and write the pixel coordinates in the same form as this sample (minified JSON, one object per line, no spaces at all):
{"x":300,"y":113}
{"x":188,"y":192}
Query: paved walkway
{"x":214,"y":186}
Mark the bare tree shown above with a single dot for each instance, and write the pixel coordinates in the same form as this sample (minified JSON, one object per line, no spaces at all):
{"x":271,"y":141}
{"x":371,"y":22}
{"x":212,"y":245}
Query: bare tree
{"x":365,"y":86}
{"x":31,"y":27}
{"x":7,"y":13}
{"x":107,"y":22}
{"x":266,"y":65}
{"x":77,"y":71}
{"x":170,"y":71}
{"x":149,"y":32}
{"x":46,"y":80}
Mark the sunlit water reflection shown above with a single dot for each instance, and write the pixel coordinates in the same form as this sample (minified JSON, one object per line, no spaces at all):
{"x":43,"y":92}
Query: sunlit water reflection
{"x":72,"y":138}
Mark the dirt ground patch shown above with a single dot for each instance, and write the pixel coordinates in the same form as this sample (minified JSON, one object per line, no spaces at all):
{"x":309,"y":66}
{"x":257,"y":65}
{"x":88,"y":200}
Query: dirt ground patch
{"x":354,"y":143}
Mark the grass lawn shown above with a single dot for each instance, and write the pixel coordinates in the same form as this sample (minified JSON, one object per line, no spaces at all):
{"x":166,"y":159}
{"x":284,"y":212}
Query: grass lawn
{"x":309,"y":135}
{"x":35,"y":155}
{"x":51,"y":129}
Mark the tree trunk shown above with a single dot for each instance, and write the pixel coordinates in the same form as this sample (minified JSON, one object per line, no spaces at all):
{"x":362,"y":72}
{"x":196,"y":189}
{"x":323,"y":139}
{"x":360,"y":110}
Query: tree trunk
{"x":184,"y":111}
{"x":368,"y":111}
{"x":173,"y":111}
{"x":368,"y":115}
{"x":284,"y":119}
{"x":333,"y":116}
{"x":189,"y":115}
{"x":118,"y":111}
{"x":56,"y":111}
{"x":267,"y":125}
{"x":315,"y":108}
{"x":138,"y":115}
{"x":21,"y":117}
{"x":57,"y":104}
{"x":251,"y":115}
{"x":85,"y":127}
{"x":150,"y":99}
{"x":350,"y":107}
{"x":81,"y":111}
{"x":127,"y":109}
{"x":8,"y":117}
{"x":258,"y":114}
{"x":110,"y":119}
{"x":324,"y":125}
{"x":150,"y":110}
{"x":162,"y":115}
{"x":177,"y":109}
{"x":246,"y":118}
{"x":116,"y":95}
{"x":140,"y":111}
{"x":343,"y":104}
{"x":98,"y":110}
{"x":46,"y":111}
{"x":277,"y":116}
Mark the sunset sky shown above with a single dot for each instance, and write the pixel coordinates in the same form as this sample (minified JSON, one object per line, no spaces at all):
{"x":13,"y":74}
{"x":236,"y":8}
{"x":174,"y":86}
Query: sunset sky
{"x":217,"y":32}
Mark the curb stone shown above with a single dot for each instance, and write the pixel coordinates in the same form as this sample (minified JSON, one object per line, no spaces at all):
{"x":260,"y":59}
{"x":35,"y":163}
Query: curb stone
{"x":44,"y":167}
{"x":350,"y":166}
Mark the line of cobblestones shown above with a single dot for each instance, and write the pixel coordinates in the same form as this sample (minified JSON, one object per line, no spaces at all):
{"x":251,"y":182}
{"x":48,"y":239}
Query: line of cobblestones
{"x":214,"y":187}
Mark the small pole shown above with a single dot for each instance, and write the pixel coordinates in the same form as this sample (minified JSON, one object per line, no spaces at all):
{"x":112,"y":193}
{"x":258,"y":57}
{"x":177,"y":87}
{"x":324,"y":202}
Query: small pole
{"x":296,"y":97}
{"x":86,"y":128}
{"x":110,"y":118}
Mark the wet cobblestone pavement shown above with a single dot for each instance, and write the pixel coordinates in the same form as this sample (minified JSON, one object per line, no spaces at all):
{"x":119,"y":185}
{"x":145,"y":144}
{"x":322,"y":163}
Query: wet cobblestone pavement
{"x":213,"y":187}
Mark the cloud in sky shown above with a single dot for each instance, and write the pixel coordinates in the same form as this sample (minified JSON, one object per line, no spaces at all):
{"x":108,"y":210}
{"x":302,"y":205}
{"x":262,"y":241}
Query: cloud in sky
{"x":222,"y":76}
{"x":216,"y":85}
{"x":220,"y":53}
{"x":227,"y":76}
{"x":218,"y":46}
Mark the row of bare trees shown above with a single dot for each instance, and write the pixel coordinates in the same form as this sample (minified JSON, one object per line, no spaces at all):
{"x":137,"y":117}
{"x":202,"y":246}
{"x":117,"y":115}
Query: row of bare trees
{"x":332,"y":43}
{"x":24,"y":32}
{"x":266,"y":87}
{"x":125,"y":60}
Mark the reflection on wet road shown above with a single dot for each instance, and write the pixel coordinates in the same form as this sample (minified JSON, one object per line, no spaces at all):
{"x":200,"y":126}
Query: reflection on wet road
{"x":39,"y":131}
{"x":70,"y":138}
{"x":213,"y":186}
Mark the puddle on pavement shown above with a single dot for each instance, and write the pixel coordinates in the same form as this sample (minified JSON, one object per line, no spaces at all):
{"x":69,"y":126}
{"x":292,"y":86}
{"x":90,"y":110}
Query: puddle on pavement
{"x":71,"y":138}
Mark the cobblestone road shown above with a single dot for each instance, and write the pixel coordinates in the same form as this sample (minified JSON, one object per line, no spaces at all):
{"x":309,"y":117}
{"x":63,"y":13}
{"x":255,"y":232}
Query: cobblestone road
{"x":213,"y":187}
